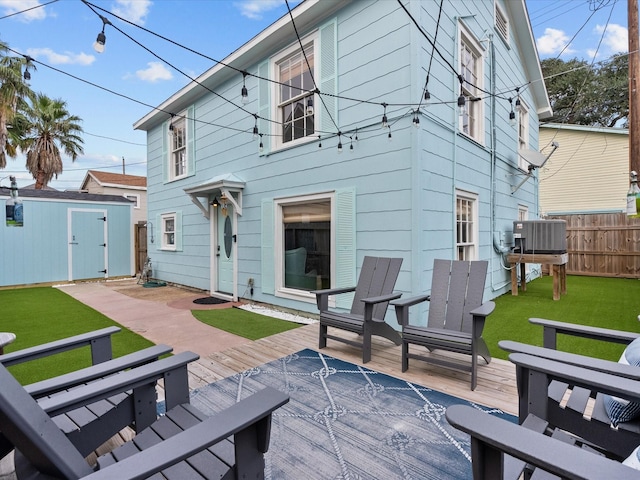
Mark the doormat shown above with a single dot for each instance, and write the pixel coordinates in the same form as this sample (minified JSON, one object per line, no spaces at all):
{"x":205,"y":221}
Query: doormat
{"x":210,"y":301}
{"x":346,"y":421}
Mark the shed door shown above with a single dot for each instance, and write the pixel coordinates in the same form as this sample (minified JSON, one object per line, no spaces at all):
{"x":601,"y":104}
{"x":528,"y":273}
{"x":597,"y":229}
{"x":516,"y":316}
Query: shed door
{"x":87,"y":244}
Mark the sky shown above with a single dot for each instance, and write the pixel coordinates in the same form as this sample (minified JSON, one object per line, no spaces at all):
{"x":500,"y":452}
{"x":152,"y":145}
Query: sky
{"x":110,"y":91}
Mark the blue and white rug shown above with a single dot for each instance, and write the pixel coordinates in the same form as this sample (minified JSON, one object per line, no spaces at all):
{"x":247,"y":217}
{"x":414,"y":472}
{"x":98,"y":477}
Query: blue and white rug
{"x":349,"y":422}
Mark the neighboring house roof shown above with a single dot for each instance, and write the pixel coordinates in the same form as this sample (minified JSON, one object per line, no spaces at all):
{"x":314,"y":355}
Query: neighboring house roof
{"x":108,"y":179}
{"x":310,"y":13}
{"x":33,"y":187}
{"x":58,"y":195}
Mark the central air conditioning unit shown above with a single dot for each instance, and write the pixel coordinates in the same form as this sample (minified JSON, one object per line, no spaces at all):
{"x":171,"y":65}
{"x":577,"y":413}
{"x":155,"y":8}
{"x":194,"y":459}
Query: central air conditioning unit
{"x":540,"y":236}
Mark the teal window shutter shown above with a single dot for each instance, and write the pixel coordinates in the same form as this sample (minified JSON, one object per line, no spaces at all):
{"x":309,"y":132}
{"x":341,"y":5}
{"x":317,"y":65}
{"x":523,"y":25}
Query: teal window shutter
{"x":268,"y":262}
{"x":178,"y":232}
{"x":264,"y":107}
{"x":191,"y":136}
{"x":345,"y":227}
{"x":328,"y":78}
{"x":166,"y":161}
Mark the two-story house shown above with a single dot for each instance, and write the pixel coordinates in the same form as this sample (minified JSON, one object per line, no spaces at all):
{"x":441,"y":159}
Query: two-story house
{"x":348,"y":128}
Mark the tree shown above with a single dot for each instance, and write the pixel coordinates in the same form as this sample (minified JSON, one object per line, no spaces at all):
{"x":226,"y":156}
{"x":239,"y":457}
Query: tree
{"x":585,"y":94}
{"x":13,"y":92}
{"x":48,"y":128}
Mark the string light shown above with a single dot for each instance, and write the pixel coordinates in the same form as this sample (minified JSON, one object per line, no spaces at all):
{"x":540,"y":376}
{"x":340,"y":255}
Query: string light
{"x":339,"y":142}
{"x":255,"y":128}
{"x":356,"y":136}
{"x":261,"y":146}
{"x":389,"y":135}
{"x":310,"y":106}
{"x":518,"y":103}
{"x":98,"y":46}
{"x":427,"y":95}
{"x":319,"y":141}
{"x":384,"y":116}
{"x":416,"y":119}
{"x":171,"y":123}
{"x":461,"y":99}
{"x":512,"y":115}
{"x":244,"y":93}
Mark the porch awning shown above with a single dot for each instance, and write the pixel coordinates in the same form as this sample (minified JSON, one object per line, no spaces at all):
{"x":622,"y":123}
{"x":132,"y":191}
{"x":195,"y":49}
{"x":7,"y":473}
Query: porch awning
{"x":227,"y":184}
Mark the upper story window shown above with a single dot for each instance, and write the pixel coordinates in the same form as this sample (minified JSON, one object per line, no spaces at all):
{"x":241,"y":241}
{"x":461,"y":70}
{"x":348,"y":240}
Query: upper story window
{"x":502,"y":23}
{"x":134,"y":198}
{"x":523,"y":133}
{"x":472,"y":74}
{"x":294,"y":97}
{"x":178,"y":143}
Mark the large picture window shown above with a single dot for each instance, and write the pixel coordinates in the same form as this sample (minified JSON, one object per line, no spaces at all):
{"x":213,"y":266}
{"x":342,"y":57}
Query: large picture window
{"x":306,"y":243}
{"x":466,"y":226}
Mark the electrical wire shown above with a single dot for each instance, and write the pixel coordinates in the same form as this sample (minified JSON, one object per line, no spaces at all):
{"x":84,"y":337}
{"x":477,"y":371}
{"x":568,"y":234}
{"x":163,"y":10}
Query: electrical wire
{"x":28,"y":9}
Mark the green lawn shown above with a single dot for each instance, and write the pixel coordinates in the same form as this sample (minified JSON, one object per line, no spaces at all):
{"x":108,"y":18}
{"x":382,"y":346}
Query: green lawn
{"x":603,"y":302}
{"x":245,"y":324}
{"x":44,"y":314}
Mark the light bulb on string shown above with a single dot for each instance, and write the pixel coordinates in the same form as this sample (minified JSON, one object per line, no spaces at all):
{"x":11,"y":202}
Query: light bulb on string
{"x":256,"y":133}
{"x":339,"y":142}
{"x":512,"y":114}
{"x":261,"y":146}
{"x":389,"y":138}
{"x":99,"y":44}
{"x":384,"y":116}
{"x":319,"y":141}
{"x":416,"y":119}
{"x":244,"y":93}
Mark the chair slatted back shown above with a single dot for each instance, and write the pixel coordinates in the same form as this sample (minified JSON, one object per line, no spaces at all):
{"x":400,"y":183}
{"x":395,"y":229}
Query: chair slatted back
{"x":32,"y":431}
{"x":457,"y":288}
{"x":377,"y":277}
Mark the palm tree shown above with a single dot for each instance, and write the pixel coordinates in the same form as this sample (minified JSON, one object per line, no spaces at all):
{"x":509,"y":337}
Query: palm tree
{"x":49,"y":128}
{"x":13,"y":91}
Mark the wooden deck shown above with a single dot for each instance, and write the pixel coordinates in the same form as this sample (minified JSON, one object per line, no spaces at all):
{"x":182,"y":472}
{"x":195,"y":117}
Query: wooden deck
{"x":496,"y":381}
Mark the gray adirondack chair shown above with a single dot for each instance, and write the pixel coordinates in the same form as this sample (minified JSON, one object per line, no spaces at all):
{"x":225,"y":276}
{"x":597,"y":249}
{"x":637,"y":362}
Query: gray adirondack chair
{"x":177,"y":444}
{"x":456,"y":316}
{"x":89,"y":427}
{"x":577,"y":407}
{"x":503,"y":450}
{"x":373,"y":293}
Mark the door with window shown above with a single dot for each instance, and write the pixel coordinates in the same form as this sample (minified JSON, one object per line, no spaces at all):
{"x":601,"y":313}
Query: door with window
{"x":87,"y":239}
{"x":225,"y":245}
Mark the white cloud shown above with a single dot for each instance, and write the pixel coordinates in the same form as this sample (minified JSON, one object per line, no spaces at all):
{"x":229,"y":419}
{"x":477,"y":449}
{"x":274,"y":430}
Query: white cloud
{"x":31,"y":13}
{"x":133,"y":10}
{"x":616,"y":37}
{"x":156,"y":72}
{"x":254,"y":9}
{"x":66,"y":58}
{"x":552,"y":42}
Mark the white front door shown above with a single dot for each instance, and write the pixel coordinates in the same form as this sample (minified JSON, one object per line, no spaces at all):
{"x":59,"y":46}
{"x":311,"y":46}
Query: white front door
{"x":225,"y":245}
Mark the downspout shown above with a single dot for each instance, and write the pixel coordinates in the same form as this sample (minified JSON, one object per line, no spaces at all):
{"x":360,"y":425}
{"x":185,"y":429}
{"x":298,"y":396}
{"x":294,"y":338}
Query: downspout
{"x":498,"y":248}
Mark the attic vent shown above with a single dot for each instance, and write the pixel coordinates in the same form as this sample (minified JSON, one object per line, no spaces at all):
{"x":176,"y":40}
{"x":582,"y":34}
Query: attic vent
{"x":502,"y":24}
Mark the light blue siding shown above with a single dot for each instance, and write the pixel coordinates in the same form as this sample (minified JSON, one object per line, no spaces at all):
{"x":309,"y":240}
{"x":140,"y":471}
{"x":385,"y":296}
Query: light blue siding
{"x":38,"y":252}
{"x":402,"y":191}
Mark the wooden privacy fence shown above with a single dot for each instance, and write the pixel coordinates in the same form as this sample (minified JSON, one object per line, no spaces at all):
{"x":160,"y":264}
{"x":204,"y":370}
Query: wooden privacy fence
{"x":603,"y":245}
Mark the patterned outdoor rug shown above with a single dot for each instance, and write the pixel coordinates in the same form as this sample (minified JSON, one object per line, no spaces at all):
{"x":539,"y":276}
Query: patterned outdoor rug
{"x":349,"y":422}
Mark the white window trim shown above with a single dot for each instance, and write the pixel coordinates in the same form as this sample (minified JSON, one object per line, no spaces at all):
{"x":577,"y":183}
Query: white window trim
{"x":278,"y":246}
{"x":179,"y":118}
{"x":276,"y":126}
{"x":135,"y":196}
{"x":163,"y":243}
{"x":523,"y":122}
{"x":499,"y":12}
{"x":473,"y":198}
{"x":468,"y":39}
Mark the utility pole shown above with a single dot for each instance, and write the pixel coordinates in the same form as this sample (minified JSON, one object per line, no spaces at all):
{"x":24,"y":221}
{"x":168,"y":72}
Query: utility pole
{"x":123,"y":161}
{"x":634,"y":79}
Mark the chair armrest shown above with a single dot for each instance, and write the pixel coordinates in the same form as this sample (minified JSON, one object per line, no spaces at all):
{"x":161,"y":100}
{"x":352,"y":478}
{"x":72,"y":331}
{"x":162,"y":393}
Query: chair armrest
{"x":552,"y":328}
{"x":491,"y":437}
{"x":484,"y":310}
{"x":591,"y":363}
{"x":539,"y":372}
{"x":63,"y":382}
{"x":99,"y":340}
{"x":233,"y":420}
{"x":371,"y":302}
{"x":402,"y":307}
{"x":115,"y":384}
{"x":322,"y":296}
